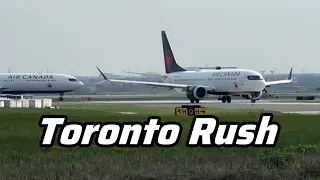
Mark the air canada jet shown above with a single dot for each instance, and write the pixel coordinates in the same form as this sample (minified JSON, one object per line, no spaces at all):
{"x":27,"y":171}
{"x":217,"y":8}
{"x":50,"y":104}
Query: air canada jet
{"x":197,"y":84}
{"x":38,"y":83}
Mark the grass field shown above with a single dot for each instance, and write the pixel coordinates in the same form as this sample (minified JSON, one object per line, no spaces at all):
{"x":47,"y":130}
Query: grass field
{"x":295,"y":157}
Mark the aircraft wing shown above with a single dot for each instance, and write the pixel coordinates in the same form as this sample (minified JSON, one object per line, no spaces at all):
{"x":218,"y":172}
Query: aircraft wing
{"x":285,"y":81}
{"x":147,"y":83}
{"x":146,"y":74}
{"x":158,"y":84}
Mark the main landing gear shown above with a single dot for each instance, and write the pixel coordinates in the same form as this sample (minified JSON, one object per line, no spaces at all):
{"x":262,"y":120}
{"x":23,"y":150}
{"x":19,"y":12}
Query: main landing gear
{"x":253,"y":101}
{"x":61,"y":97}
{"x":225,"y":99}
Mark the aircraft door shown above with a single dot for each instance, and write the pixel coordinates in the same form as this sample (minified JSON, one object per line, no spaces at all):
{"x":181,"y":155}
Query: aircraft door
{"x":60,"y":84}
{"x":241,"y":82}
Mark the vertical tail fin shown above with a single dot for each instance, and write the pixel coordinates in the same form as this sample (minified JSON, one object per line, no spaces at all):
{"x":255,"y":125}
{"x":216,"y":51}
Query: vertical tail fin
{"x":169,"y":60}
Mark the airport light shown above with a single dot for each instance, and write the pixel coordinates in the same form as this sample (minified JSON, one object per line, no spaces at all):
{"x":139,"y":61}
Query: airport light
{"x":272,"y":74}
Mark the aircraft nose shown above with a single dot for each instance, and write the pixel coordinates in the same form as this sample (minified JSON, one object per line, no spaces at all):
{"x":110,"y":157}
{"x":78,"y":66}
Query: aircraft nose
{"x":81,"y":84}
{"x":263,"y":84}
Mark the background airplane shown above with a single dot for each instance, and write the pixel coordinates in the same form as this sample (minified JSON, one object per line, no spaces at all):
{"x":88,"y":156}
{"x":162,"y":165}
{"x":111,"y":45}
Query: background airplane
{"x":24,"y":83}
{"x":199,"y":83}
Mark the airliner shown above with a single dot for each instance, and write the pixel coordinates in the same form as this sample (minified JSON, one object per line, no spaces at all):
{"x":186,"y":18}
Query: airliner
{"x":34,"y":83}
{"x":197,"y":84}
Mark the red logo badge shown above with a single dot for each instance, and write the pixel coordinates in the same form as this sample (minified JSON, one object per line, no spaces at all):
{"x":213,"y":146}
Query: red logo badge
{"x":235,"y":85}
{"x":168,"y":58}
{"x":49,"y":85}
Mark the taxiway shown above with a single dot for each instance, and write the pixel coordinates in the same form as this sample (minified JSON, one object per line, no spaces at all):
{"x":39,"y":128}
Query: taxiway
{"x":286,"y":107}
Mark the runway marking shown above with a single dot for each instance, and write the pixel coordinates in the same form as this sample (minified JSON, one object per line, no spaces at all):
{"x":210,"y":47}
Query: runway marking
{"x":304,"y":112}
{"x":127,"y":112}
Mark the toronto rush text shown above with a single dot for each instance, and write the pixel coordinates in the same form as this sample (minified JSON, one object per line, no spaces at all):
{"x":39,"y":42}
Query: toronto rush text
{"x":205,"y":131}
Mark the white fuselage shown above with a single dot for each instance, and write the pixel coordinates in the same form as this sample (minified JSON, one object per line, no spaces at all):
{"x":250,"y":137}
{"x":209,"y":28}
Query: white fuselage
{"x":22,"y":83}
{"x":233,"y":81}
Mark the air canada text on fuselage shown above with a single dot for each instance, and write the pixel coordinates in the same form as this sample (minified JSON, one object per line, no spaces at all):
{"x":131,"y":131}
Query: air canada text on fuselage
{"x":226,"y":74}
{"x":30,"y":77}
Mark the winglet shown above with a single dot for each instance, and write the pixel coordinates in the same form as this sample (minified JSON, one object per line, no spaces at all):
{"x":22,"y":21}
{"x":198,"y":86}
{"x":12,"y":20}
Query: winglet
{"x":102,"y":74}
{"x":290,"y":75}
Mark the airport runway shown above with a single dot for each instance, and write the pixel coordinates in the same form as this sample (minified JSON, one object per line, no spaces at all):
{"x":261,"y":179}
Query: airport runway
{"x":286,"y":107}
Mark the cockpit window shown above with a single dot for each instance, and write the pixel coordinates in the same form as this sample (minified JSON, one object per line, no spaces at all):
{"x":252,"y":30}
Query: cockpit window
{"x":254,"y":77}
{"x":73,"y":80}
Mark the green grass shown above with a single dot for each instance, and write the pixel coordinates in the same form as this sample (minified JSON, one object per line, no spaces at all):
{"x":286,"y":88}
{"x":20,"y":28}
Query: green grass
{"x":295,"y":157}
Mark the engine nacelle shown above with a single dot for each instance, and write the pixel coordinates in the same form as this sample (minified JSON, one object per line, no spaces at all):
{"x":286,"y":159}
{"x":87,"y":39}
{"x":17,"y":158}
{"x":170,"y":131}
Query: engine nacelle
{"x":197,"y":93}
{"x":255,"y":95}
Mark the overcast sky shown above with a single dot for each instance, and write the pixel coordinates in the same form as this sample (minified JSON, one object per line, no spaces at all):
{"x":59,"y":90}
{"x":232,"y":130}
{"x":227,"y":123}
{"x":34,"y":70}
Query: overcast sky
{"x":74,"y":36}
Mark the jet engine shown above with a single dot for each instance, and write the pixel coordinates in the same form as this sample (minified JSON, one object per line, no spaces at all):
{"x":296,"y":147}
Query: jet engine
{"x":196,"y":93}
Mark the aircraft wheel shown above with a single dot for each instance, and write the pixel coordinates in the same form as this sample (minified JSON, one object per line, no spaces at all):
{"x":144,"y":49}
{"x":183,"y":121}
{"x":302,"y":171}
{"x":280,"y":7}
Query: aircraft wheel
{"x":60,"y":98}
{"x":228,"y":99}
{"x":197,"y":101}
{"x":224,"y":99}
{"x":191,"y":101}
{"x":253,"y":101}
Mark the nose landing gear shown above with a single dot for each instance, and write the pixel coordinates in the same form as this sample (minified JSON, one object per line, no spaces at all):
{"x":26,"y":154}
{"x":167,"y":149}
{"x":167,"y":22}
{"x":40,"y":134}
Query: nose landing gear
{"x":194,"y":101}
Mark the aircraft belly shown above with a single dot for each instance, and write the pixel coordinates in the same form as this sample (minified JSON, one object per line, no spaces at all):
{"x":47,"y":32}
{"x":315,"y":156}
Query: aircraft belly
{"x":13,"y":86}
